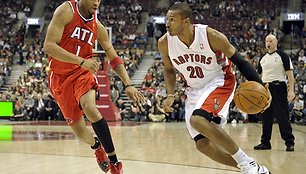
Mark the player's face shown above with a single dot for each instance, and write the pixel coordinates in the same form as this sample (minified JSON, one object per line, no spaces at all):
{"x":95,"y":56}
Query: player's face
{"x":174,"y":23}
{"x":92,"y":5}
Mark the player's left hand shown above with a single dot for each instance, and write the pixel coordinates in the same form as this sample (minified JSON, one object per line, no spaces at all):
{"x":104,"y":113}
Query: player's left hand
{"x":270,"y":97}
{"x":135,"y":95}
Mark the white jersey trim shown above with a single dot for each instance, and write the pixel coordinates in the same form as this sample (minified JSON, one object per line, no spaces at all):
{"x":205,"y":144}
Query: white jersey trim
{"x":71,"y":6}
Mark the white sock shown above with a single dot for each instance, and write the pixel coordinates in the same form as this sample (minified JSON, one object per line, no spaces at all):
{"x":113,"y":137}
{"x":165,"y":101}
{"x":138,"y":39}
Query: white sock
{"x":240,"y":156}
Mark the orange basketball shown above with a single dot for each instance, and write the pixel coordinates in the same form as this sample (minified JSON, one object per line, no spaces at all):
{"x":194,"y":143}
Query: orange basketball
{"x":251,"y":97}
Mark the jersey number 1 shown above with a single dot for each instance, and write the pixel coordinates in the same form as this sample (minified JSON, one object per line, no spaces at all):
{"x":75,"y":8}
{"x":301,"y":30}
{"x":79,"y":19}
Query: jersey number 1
{"x":195,"y":72}
{"x":78,"y":50}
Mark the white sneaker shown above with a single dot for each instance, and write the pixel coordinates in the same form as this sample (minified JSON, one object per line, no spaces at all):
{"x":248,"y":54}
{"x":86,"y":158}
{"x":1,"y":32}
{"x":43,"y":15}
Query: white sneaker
{"x":252,"y":168}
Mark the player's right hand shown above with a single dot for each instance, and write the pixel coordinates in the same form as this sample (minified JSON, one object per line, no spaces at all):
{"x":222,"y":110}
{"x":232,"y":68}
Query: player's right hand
{"x":91,"y":65}
{"x":270,"y":98}
{"x":167,"y":104}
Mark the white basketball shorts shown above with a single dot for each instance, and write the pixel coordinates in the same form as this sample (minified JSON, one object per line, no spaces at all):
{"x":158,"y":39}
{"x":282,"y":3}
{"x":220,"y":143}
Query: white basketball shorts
{"x":215,"y":98}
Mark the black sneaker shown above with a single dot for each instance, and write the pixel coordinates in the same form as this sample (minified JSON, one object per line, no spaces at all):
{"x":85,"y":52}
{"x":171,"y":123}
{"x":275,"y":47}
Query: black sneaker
{"x":290,"y":148}
{"x":263,"y":147}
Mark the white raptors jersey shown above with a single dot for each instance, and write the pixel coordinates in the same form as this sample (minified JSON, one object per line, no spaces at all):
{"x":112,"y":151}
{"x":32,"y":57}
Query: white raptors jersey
{"x":198,"y":63}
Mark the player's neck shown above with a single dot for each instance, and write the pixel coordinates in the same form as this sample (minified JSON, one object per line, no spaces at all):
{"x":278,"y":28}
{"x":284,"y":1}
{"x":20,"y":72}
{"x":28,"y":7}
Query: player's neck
{"x":83,"y":11}
{"x":187,"y":36}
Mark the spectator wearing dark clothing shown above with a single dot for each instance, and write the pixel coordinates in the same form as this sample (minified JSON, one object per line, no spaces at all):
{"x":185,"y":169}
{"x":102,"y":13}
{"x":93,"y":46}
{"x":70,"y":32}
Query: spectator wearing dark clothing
{"x":122,"y":114}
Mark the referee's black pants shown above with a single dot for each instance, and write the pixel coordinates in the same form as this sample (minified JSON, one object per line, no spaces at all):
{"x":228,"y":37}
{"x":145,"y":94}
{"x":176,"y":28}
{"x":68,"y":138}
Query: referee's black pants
{"x":279,"y":110}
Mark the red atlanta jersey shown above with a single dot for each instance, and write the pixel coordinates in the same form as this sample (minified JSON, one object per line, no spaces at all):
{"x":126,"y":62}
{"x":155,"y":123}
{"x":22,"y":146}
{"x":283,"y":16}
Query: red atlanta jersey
{"x":78,"y":38}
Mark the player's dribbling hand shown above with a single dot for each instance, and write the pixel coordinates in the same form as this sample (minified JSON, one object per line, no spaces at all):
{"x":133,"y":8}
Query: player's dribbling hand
{"x":270,"y":97}
{"x":135,"y":95}
{"x":167,"y":104}
{"x":91,"y":65}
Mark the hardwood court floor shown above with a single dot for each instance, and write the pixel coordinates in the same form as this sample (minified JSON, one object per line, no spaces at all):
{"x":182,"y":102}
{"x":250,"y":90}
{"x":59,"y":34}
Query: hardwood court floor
{"x":150,"y":148}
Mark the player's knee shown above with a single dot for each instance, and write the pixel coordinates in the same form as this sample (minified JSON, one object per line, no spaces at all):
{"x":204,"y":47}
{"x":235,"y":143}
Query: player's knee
{"x":197,"y":121}
{"x":87,"y":107}
{"x":203,"y":145}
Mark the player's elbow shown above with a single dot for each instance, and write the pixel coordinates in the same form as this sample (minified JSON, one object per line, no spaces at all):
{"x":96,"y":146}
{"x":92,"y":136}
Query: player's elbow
{"x":47,"y":47}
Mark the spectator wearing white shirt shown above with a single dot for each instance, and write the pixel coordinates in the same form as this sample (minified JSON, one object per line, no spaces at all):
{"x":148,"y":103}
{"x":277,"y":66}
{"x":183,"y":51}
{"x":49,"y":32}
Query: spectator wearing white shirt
{"x":296,"y":113}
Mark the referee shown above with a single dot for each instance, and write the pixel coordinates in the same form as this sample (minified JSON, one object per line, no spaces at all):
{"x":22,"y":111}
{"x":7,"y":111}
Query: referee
{"x":274,"y":66}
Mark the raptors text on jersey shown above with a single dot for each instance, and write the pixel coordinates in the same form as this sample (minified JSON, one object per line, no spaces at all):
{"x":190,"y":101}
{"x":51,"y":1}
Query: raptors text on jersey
{"x":197,"y":63}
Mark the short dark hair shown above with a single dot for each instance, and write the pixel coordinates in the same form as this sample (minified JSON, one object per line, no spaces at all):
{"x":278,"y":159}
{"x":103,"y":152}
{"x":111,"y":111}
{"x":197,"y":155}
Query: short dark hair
{"x":183,"y":8}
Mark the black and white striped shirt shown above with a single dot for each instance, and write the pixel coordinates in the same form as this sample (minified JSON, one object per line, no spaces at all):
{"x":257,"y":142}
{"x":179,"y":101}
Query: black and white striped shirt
{"x":273,"y":66}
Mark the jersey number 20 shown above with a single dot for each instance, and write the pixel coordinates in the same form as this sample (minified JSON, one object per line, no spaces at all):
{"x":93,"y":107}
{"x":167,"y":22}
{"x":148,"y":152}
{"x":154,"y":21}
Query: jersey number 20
{"x":195,"y":72}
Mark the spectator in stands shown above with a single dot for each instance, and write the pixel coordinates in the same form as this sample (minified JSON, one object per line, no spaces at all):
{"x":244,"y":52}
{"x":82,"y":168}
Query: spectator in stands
{"x":39,"y":112}
{"x":18,"y":113}
{"x":157,"y":113}
{"x":122,"y":114}
{"x":178,"y":108}
{"x":302,"y":57}
{"x":114,"y":91}
{"x":50,"y":107}
{"x":297,"y":111}
{"x":29,"y":107}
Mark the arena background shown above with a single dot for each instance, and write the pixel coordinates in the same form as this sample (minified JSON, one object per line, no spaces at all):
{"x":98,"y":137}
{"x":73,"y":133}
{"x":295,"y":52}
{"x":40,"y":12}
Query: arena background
{"x":134,"y":27}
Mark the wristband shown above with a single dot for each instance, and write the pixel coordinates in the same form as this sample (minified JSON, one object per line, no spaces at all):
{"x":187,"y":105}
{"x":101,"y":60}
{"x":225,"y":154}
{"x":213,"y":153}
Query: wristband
{"x":115,"y":62}
{"x":128,"y":85}
{"x":82,"y":62}
{"x":170,"y":95}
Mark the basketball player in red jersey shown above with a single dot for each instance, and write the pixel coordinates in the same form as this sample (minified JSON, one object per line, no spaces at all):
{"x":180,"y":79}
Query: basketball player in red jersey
{"x":69,"y":43}
{"x":196,"y":51}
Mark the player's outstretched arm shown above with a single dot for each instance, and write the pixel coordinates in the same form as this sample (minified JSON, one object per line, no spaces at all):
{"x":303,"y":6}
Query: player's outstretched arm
{"x":115,"y":61}
{"x":169,"y":73}
{"x":117,"y":65}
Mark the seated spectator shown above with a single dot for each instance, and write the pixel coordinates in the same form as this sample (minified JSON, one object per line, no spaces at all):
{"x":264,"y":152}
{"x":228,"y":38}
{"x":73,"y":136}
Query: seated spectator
{"x":235,"y":115}
{"x":122,"y":114}
{"x":50,"y":107}
{"x":297,"y":111}
{"x":18,"y":114}
{"x":39,"y":111}
{"x":29,"y":107}
{"x":178,"y":113}
{"x":157,"y":114}
{"x":302,"y":57}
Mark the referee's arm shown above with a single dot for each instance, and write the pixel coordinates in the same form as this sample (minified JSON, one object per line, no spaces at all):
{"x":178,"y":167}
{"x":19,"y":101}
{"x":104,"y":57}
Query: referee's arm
{"x":289,"y":72}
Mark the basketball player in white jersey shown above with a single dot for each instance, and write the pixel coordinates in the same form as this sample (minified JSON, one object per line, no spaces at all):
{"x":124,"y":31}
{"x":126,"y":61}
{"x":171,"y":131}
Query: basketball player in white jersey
{"x":196,"y":51}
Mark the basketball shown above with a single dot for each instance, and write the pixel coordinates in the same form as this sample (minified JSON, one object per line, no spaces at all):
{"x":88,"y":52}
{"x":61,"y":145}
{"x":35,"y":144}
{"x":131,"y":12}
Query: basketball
{"x":251,"y":97}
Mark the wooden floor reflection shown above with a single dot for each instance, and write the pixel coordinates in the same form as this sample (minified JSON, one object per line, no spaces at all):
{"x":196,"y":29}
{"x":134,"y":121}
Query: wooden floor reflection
{"x":152,"y":148}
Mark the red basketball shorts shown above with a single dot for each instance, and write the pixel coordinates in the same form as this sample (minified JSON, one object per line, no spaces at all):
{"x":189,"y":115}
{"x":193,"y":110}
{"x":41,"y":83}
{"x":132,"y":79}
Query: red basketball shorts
{"x":68,"y":89}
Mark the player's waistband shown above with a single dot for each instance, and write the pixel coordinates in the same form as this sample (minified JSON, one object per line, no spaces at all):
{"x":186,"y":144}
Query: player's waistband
{"x":66,"y":73}
{"x":276,"y":82}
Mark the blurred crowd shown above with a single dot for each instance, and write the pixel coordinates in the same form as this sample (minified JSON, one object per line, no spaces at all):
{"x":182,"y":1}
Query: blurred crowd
{"x":246,"y":23}
{"x":30,"y":94}
{"x":10,"y":13}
